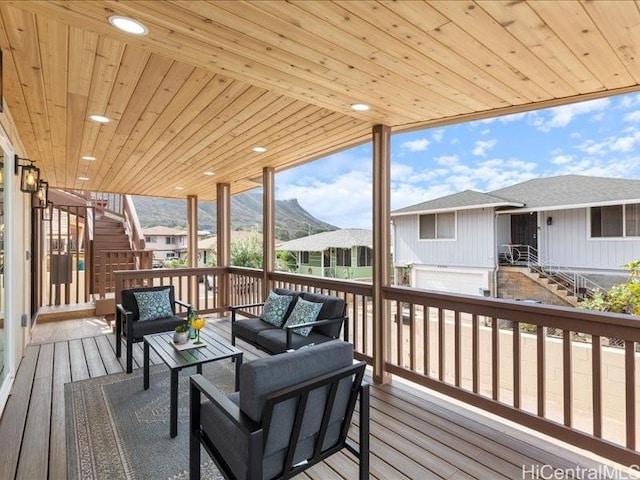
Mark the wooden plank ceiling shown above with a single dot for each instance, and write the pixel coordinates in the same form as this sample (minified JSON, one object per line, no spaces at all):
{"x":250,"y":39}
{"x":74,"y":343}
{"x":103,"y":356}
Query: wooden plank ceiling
{"x":213,"y":79}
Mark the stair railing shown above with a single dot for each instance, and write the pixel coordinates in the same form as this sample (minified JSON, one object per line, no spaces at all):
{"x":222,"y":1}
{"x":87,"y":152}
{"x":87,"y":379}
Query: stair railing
{"x":565,"y":277}
{"x":132,"y":224}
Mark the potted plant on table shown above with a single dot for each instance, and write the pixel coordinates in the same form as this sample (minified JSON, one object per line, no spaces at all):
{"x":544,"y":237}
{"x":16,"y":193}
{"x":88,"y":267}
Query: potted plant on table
{"x":181,"y":334}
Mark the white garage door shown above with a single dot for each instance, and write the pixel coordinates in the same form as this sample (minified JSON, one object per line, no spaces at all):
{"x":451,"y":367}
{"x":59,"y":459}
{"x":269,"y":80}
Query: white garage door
{"x":465,"y":282}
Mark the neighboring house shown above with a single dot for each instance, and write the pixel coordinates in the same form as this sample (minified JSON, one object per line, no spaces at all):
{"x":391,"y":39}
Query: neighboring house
{"x":345,"y":253}
{"x":167,"y":242}
{"x":208,"y":246}
{"x":585,"y":226}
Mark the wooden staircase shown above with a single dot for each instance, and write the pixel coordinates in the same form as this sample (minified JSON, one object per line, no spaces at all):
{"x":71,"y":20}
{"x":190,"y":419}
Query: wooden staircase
{"x":109,"y":235}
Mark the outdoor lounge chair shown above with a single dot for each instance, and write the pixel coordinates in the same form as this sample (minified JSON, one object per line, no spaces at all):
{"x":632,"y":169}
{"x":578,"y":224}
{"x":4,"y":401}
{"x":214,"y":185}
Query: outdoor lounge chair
{"x":292,"y":411}
{"x":156,"y":314}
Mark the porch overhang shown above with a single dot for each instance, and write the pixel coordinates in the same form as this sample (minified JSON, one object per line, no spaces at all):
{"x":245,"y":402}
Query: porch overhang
{"x":212,"y":80}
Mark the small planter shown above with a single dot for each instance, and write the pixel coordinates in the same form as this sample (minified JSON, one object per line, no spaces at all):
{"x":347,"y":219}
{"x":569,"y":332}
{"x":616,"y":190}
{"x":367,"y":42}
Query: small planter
{"x":180,"y":338}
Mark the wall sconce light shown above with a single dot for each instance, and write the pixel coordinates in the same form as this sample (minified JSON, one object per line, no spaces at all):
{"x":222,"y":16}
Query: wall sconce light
{"x":549,"y":220}
{"x":41,"y":197}
{"x":47,"y":212}
{"x":30,"y":176}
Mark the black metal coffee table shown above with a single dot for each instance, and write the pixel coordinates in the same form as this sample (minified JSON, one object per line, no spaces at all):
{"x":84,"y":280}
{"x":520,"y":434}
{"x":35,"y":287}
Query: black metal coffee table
{"x":216,"y":348}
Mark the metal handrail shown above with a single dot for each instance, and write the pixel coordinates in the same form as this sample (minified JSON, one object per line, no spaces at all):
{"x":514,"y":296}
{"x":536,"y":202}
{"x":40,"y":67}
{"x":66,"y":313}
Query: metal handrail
{"x":564,"y":276}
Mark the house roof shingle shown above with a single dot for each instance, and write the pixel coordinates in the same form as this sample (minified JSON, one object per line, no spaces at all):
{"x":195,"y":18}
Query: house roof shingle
{"x":458,"y":201}
{"x":345,"y":238}
{"x":563,"y":191}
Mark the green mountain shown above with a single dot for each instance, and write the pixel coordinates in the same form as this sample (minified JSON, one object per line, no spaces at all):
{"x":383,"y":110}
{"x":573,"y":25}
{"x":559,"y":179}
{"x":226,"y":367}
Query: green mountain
{"x":292,"y":221}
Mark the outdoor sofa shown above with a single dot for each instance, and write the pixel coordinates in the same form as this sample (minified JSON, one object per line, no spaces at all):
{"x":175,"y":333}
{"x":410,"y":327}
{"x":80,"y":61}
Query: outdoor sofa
{"x":273,"y":338}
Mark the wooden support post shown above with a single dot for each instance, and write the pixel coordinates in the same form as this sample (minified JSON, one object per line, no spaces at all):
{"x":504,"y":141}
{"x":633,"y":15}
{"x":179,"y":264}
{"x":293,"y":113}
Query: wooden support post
{"x":192,"y":246}
{"x":223,"y":239}
{"x":268,"y":228}
{"x":381,"y":249}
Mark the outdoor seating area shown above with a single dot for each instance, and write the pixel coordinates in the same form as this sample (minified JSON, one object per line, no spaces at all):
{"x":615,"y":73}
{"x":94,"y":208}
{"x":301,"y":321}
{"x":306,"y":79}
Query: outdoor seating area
{"x":414,"y":433}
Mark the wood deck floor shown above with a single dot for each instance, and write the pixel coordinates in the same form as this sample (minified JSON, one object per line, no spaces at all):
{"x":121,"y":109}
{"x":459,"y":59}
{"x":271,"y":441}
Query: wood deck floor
{"x":414,"y":434}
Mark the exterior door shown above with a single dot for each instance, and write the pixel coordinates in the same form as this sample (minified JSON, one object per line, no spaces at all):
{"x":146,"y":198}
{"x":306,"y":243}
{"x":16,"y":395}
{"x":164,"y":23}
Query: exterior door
{"x":524,"y":229}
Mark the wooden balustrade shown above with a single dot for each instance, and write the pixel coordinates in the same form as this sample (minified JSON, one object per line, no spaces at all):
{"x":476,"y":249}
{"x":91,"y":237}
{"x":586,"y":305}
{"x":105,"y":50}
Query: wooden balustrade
{"x":544,"y":367}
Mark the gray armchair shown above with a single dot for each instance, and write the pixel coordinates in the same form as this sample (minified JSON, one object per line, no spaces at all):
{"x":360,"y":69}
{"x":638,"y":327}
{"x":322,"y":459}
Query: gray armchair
{"x":130,"y":324}
{"x":292,"y":411}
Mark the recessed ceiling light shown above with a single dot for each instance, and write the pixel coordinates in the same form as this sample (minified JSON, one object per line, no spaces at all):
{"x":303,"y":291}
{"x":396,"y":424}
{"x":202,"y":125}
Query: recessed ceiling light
{"x":179,"y":188}
{"x":83,"y":178}
{"x":99,"y":118}
{"x":128,"y":25}
{"x":209,"y":173}
{"x":259,"y":149}
{"x":360,"y":107}
{"x":88,"y":158}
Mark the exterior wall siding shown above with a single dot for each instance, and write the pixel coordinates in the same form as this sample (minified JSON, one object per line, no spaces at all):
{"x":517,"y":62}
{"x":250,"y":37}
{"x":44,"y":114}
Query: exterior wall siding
{"x":474,"y":245}
{"x":566,"y":243}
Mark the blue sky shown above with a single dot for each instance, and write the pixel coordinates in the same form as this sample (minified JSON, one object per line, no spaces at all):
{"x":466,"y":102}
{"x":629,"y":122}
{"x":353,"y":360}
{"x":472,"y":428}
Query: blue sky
{"x":598,"y":138}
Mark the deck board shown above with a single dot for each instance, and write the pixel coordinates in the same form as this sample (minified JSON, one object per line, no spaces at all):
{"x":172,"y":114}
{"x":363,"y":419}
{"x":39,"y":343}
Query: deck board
{"x":15,"y":413}
{"x":414,"y":434}
{"x":58,"y":449}
{"x":37,"y":427}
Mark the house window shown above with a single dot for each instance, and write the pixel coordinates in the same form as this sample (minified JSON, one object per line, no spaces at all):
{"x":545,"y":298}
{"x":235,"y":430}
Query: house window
{"x":615,"y":221}
{"x":365,"y":257}
{"x":304,"y":258}
{"x":632,"y":220}
{"x":437,"y":226}
{"x":343,"y":257}
{"x":170,"y":240}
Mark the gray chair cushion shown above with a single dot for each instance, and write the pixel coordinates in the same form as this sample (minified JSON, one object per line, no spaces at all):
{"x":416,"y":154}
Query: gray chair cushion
{"x":226,"y":436}
{"x":275,"y":340}
{"x":141,"y":329}
{"x":250,"y":328}
{"x":265,"y":375}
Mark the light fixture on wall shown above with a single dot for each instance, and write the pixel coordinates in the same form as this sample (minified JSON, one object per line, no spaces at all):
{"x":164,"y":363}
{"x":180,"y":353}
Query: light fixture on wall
{"x":549,"y":220}
{"x":41,"y":197}
{"x":29,"y":175}
{"x":47,"y":212}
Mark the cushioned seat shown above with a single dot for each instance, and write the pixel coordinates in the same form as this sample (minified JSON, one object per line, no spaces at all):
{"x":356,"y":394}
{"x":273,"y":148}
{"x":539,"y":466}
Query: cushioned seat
{"x":250,"y":328}
{"x":161,"y":304}
{"x":266,"y":430}
{"x":274,"y":340}
{"x":271,"y":336}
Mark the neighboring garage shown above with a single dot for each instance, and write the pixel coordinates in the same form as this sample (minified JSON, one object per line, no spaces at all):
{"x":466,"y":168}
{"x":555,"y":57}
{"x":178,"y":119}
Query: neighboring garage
{"x":466,"y":281}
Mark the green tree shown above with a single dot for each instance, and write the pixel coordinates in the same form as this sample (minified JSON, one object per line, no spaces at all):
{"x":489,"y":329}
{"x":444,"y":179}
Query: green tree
{"x":287,"y":261}
{"x":247,"y":253}
{"x":621,"y":298}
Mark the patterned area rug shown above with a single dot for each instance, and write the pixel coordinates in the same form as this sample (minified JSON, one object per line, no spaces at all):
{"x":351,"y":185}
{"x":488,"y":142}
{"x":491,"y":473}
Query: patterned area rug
{"x":117,"y":430}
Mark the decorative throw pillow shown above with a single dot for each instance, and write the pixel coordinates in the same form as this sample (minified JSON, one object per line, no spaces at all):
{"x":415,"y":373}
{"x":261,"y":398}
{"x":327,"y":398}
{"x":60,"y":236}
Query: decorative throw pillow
{"x":275,"y":309}
{"x":303,"y":312}
{"x":153,"y":305}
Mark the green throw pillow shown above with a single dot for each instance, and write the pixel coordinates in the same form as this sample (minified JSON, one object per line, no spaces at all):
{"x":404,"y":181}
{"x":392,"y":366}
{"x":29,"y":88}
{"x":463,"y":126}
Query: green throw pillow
{"x":153,"y":305}
{"x":303,"y":312}
{"x":275,"y":309}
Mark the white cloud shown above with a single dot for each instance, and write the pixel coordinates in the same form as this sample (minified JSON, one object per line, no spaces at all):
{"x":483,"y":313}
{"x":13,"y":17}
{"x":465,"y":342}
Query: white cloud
{"x":438,"y":134}
{"x":561,"y":159}
{"x":564,"y":115}
{"x":486,"y":131}
{"x":447,"y":160}
{"x":417,"y":145}
{"x":632,"y":116}
{"x":481,"y":147}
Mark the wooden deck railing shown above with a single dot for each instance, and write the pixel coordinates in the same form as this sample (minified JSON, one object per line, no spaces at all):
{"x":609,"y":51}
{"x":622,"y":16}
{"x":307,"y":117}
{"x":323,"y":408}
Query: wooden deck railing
{"x":553,"y":369}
